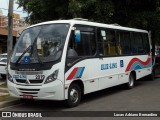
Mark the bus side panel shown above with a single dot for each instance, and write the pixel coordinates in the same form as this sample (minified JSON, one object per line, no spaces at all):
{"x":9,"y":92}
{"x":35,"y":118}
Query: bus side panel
{"x":141,"y":64}
{"x":101,"y":73}
{"x":85,"y":71}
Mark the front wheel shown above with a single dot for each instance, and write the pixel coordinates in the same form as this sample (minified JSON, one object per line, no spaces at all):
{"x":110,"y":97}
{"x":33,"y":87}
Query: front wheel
{"x":131,"y":81}
{"x":74,"y":96}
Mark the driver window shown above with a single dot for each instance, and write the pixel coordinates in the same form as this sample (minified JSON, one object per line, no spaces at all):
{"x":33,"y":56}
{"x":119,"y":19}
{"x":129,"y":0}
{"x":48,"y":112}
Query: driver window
{"x":84,"y":47}
{"x":87,"y":44}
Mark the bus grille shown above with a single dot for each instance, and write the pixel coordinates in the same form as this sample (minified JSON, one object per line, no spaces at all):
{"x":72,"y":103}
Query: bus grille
{"x":32,"y":81}
{"x":36,"y":81}
{"x":28,"y":91}
{"x":20,"y":80}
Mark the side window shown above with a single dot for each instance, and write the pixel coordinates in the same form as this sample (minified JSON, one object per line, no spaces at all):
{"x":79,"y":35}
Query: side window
{"x":124,"y":47}
{"x":146,"y":46}
{"x":106,"y":42}
{"x":138,"y":44}
{"x":86,"y":46}
{"x":133,"y":47}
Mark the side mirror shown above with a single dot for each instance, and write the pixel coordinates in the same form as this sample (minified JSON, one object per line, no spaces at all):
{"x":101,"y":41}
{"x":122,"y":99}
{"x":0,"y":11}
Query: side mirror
{"x":77,"y":36}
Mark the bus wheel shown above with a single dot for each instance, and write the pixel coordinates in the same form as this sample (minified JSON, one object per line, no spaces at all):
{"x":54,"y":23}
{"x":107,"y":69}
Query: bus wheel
{"x":74,"y":95}
{"x":131,"y":81}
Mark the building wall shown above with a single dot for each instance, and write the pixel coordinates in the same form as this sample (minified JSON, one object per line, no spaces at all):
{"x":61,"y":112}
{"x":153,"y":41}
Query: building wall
{"x":1,"y":21}
{"x":18,"y":26}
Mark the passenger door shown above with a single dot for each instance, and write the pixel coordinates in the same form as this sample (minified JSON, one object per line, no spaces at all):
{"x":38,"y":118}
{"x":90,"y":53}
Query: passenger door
{"x":83,"y":52}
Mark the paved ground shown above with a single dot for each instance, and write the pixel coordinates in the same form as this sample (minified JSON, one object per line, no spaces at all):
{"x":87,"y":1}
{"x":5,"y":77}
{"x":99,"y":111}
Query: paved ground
{"x":3,"y":91}
{"x":145,"y":96}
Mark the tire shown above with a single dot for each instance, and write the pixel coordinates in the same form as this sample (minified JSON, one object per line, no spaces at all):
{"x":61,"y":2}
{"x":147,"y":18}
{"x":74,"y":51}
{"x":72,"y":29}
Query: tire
{"x":131,"y":81}
{"x":74,"y":96}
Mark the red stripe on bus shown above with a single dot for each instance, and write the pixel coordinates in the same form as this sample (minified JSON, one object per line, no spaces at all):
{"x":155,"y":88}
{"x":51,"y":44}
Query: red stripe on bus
{"x":72,"y":74}
{"x":137,"y":60}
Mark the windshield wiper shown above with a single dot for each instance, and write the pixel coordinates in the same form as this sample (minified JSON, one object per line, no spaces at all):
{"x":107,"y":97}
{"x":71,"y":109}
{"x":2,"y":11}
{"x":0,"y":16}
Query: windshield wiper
{"x":32,"y":48}
{"x":28,"y":48}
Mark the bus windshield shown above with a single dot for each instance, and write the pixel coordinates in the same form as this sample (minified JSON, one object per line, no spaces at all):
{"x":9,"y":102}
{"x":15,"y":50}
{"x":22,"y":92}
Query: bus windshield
{"x":40,"y":43}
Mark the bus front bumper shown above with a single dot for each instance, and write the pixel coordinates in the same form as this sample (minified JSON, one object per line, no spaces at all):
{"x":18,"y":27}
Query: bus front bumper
{"x":50,"y":91}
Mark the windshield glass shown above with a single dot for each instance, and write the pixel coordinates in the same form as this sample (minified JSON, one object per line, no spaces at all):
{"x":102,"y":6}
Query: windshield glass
{"x":41,"y":43}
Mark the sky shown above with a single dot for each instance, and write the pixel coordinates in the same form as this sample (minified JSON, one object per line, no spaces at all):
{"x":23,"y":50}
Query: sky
{"x":4,"y":5}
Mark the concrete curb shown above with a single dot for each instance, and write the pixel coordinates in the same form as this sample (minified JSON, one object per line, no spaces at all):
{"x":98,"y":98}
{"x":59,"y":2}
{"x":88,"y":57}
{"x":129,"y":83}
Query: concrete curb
{"x":9,"y":103}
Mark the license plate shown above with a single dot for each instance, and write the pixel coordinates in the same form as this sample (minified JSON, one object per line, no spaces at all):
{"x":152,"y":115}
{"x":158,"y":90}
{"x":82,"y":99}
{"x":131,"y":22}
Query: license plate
{"x":27,"y":96}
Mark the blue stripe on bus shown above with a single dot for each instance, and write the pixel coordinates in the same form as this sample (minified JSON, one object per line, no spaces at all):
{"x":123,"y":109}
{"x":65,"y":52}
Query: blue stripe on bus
{"x":78,"y":73}
{"x":81,"y":72}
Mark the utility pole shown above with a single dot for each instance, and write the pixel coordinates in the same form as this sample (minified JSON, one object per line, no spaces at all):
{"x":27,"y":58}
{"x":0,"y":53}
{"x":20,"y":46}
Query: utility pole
{"x":10,"y":28}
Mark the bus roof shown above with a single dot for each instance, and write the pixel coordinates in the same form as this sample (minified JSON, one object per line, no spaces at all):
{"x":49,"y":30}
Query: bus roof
{"x":95,"y":24}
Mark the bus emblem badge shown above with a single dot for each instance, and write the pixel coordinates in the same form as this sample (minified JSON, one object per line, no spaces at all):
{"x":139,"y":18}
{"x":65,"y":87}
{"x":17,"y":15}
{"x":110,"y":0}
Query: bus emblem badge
{"x":26,"y":59}
{"x":26,"y":82}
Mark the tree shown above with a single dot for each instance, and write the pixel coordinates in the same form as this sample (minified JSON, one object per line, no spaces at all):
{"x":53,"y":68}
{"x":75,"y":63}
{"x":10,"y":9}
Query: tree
{"x":143,"y":14}
{"x":94,"y":10}
{"x":44,"y":10}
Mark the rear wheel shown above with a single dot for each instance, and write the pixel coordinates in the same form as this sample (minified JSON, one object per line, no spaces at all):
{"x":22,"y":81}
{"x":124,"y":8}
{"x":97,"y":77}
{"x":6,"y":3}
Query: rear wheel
{"x":74,"y":95}
{"x":131,"y":81}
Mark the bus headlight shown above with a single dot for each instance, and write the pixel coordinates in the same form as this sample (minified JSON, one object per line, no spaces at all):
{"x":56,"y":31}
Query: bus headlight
{"x":10,"y":78}
{"x":52,"y":77}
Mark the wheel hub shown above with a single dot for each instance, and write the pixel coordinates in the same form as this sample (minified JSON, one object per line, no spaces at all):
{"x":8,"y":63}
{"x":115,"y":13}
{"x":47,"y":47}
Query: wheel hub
{"x":131,"y":81}
{"x":74,"y":96}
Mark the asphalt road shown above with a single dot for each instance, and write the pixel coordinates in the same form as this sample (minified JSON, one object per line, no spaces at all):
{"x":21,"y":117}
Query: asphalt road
{"x":145,"y":96}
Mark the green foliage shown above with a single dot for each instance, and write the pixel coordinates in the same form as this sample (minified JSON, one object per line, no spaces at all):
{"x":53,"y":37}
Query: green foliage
{"x":143,"y":14}
{"x":94,"y":10}
{"x":44,"y":10}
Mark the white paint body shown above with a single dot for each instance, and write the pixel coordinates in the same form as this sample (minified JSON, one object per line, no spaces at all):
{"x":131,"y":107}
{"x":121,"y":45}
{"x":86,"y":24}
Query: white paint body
{"x":93,"y":77}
